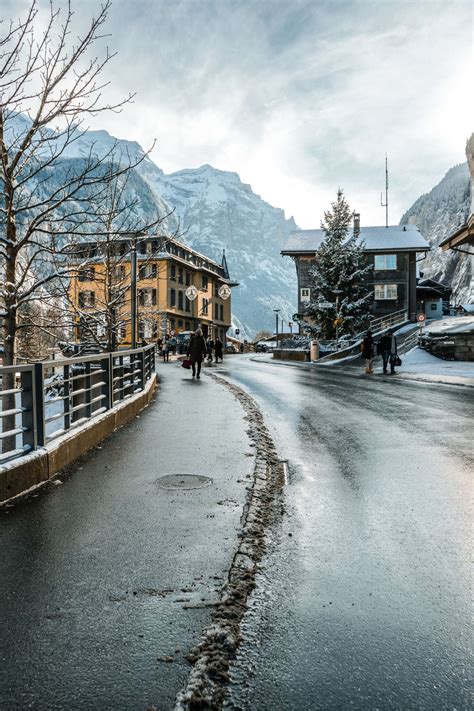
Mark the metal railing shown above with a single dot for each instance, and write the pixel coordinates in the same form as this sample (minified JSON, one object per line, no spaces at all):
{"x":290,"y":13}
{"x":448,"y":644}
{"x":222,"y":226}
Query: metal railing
{"x":41,"y":401}
{"x":383,"y":322}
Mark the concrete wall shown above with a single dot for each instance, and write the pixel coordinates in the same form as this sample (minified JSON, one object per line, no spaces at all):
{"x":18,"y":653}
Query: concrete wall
{"x":36,"y":468}
{"x":453,"y":346}
{"x":291,"y":354}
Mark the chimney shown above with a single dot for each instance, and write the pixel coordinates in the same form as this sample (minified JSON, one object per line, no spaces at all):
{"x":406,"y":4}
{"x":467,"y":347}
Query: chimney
{"x":356,"y":224}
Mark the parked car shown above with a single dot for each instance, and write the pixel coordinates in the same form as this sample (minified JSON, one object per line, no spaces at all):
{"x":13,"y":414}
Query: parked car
{"x":261,"y":348}
{"x":183,"y":339}
{"x":230,"y":348}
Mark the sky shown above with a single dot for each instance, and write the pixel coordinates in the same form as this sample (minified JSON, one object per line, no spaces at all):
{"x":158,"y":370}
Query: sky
{"x":299,"y":97}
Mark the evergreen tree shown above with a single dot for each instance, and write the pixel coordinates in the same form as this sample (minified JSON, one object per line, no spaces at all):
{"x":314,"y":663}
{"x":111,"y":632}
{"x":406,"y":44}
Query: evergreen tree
{"x":340,"y":265}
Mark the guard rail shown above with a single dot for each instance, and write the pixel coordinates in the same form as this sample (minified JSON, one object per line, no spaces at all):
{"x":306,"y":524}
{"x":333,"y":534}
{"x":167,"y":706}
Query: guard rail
{"x":41,"y":401}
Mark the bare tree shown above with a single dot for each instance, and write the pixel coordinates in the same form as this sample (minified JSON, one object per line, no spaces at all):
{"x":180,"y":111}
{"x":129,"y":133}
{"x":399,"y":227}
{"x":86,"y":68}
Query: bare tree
{"x":105,"y":262}
{"x":48,"y":88}
{"x":50,"y":85}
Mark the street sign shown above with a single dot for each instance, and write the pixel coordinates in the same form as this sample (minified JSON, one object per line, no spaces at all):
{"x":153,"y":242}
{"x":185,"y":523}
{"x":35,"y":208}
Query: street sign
{"x":325,"y":304}
{"x":224,"y":291}
{"x":191,"y":292}
{"x":296,"y":317}
{"x":237,"y":331}
{"x":421,"y":318}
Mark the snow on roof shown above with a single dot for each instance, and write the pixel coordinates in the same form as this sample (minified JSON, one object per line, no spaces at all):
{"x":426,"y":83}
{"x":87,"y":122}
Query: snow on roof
{"x":395,"y":238}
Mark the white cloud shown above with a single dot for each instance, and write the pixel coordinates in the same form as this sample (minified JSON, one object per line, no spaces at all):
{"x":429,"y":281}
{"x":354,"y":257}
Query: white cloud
{"x":298,"y":97}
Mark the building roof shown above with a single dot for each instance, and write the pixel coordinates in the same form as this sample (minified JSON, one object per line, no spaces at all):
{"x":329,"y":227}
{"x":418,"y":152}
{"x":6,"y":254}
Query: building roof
{"x":463,"y":237}
{"x":396,"y":238}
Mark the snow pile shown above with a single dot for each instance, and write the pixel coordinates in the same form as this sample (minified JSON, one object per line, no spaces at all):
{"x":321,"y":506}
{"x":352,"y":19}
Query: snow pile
{"x":420,"y":362}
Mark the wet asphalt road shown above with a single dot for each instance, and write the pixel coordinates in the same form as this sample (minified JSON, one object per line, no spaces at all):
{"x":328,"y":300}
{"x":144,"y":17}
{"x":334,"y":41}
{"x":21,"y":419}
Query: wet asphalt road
{"x":364,"y":599}
{"x":104,"y":579}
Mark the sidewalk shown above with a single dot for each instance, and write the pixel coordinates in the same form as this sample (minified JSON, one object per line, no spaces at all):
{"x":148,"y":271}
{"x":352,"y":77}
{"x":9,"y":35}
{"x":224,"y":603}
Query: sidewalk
{"x":118,"y":575}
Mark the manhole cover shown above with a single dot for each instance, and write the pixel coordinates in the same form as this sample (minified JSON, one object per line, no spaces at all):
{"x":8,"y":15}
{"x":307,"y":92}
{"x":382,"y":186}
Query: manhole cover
{"x":183,"y":481}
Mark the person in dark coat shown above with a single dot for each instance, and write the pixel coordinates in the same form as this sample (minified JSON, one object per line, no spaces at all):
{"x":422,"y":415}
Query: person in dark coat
{"x":387,"y":347}
{"x":210,"y":348}
{"x":368,"y":351}
{"x":218,"y":349}
{"x":197,"y":350}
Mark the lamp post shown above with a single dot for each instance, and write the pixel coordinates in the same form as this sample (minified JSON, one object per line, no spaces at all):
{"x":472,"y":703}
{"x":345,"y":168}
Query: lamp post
{"x":337,"y":292}
{"x":277,"y":311}
{"x":133,"y":292}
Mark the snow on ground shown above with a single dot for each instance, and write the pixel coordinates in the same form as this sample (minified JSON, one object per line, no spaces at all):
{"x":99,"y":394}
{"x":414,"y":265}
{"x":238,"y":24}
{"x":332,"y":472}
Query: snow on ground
{"x":453,"y":324}
{"x":420,"y":362}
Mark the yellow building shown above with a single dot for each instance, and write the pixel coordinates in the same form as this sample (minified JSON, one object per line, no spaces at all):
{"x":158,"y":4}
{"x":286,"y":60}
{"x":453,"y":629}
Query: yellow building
{"x":100,"y":291}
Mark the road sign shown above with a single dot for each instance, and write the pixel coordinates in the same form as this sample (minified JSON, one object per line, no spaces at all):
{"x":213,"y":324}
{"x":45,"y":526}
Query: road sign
{"x":296,"y":317}
{"x":191,"y":292}
{"x":224,"y":291}
{"x":325,"y":304}
{"x":237,"y":331}
{"x":421,"y":318}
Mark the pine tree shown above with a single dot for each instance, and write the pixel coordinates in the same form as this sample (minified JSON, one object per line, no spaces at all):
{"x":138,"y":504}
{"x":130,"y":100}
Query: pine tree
{"x":340,"y":265}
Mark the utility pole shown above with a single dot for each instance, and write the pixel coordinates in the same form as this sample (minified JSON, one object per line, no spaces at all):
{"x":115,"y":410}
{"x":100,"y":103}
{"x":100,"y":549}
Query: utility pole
{"x":276,"y":324}
{"x":133,"y":293}
{"x":385,"y":204}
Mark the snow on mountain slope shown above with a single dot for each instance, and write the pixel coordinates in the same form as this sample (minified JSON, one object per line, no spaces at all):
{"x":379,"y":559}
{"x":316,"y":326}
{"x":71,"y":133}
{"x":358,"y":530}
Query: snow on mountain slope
{"x":438,"y":214}
{"x":215,"y":211}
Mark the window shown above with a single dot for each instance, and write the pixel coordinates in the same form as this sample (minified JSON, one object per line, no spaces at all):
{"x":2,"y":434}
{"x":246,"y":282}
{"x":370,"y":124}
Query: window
{"x":180,"y":324}
{"x":147,"y":271}
{"x":147,"y":297}
{"x":205,"y":282}
{"x":187,"y":325}
{"x":215,"y":311}
{"x":385,"y":261}
{"x":434,"y":307}
{"x":187,"y":305}
{"x":86,"y":299}
{"x":180,"y":300}
{"x":205,"y":306}
{"x":384,"y":292}
{"x":180,"y":276}
{"x":87,"y":274}
{"x":222,"y":312}
{"x":188,"y":279}
{"x":173,"y":273}
{"x":305,"y":294}
{"x":216,"y":289}
{"x":173,"y":297}
{"x":119,"y":273}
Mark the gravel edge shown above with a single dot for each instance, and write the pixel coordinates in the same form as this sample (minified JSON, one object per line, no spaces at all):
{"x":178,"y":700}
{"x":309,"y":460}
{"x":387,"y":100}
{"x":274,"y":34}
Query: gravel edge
{"x":206,"y":687}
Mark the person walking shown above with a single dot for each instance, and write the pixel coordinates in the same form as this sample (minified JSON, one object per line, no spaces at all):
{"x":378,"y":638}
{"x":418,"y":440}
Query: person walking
{"x":218,"y":349}
{"x":387,"y":347}
{"x":196,"y":353}
{"x":173,"y":345}
{"x":209,"y":348}
{"x":166,"y":350}
{"x":241,"y":348}
{"x":368,"y":351}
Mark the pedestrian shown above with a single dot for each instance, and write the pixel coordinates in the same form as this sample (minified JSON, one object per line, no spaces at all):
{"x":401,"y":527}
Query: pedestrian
{"x":387,"y":347}
{"x":209,"y":348}
{"x":218,"y":349}
{"x":196,"y":353}
{"x":159,"y":343}
{"x":368,"y":351}
{"x":241,"y":349}
{"x":166,"y":350}
{"x":173,"y":345}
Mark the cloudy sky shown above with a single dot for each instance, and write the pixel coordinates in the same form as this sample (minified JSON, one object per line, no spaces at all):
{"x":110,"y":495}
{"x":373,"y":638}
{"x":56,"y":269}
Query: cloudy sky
{"x":297,"y":96}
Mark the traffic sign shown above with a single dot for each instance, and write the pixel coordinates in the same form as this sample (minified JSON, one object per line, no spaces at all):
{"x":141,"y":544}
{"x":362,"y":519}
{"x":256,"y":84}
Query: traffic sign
{"x":296,"y":317}
{"x":421,"y":318}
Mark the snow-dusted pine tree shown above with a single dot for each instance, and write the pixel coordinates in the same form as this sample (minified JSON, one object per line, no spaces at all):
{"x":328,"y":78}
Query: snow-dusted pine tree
{"x":340,"y":267}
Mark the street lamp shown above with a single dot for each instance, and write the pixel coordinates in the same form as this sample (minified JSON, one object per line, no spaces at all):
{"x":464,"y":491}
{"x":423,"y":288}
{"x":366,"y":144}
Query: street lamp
{"x":337,"y":292}
{"x":277,"y":311}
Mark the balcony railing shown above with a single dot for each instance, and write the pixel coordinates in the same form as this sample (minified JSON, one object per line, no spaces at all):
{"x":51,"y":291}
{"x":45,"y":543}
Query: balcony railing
{"x":41,"y":401}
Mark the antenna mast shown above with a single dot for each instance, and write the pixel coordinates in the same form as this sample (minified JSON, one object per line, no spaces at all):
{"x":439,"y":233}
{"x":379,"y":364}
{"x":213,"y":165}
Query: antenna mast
{"x":385,"y":204}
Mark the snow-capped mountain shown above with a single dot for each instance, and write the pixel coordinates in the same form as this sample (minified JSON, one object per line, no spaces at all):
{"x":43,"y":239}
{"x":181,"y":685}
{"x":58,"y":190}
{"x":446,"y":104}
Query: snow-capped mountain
{"x":437,"y":215}
{"x":212,"y":211}
{"x":216,"y":211}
